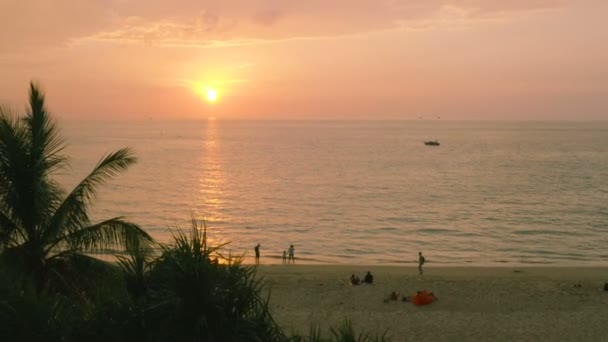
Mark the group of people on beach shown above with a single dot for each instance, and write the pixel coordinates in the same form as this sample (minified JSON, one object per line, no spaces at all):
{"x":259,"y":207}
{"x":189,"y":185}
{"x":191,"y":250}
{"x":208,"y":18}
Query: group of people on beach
{"x":422,"y":297}
{"x":367,"y":280}
{"x":288,"y":255}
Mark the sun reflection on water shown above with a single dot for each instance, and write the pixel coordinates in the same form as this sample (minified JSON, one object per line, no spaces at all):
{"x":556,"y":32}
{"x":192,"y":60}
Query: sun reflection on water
{"x":211,"y":198}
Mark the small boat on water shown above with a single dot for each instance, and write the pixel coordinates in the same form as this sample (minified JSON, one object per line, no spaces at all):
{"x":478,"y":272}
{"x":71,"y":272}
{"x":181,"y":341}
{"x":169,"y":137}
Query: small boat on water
{"x":431,"y":143}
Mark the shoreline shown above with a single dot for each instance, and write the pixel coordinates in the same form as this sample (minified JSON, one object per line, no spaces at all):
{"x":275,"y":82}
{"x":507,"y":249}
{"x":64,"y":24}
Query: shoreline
{"x":475,"y":303}
{"x":438,"y":269}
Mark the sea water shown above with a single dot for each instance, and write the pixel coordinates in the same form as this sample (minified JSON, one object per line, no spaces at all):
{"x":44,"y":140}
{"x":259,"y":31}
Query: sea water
{"x":362,"y":192}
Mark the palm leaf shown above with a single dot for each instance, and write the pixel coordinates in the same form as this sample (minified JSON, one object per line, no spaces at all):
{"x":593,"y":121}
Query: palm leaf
{"x":30,"y":151}
{"x":114,"y":232}
{"x":9,"y":232}
{"x":73,"y":211}
{"x":46,"y":142}
{"x":81,"y":276}
{"x":13,"y":149}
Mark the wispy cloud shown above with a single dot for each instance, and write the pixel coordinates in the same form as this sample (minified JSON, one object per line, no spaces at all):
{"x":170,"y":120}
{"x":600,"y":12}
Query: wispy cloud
{"x":268,"y":17}
{"x":209,"y":24}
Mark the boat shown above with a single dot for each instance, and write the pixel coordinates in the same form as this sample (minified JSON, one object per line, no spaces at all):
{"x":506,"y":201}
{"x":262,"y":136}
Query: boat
{"x":431,"y":143}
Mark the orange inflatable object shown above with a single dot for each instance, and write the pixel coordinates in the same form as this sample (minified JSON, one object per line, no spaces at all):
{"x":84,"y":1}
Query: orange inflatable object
{"x":423,"y":298}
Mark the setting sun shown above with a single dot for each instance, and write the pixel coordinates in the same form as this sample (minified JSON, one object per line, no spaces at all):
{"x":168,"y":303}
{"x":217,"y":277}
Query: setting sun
{"x":205,"y":92}
{"x":211,"y":95}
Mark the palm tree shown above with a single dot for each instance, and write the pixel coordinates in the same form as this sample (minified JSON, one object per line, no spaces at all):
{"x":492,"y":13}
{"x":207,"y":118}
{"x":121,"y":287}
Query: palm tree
{"x":45,"y":232}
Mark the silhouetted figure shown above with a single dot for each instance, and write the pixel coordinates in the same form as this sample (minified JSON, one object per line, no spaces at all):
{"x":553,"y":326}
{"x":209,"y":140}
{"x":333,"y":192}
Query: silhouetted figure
{"x":369,"y":278}
{"x":284,"y":257}
{"x":291,"y":256}
{"x":257,"y":253}
{"x":354,"y":280}
{"x":421,"y":262}
{"x":392,"y":296}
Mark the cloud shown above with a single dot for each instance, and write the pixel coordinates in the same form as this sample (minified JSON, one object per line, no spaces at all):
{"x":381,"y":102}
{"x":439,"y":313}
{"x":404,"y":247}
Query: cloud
{"x":137,"y":29}
{"x":41,"y":23}
{"x":267,"y":17}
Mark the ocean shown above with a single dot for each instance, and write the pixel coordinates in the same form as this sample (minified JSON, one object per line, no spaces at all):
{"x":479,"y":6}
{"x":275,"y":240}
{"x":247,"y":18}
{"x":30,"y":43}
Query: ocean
{"x":362,"y":192}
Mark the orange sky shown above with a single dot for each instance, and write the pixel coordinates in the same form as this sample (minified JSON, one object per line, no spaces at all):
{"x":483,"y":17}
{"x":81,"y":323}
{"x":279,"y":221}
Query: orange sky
{"x":318,"y":59}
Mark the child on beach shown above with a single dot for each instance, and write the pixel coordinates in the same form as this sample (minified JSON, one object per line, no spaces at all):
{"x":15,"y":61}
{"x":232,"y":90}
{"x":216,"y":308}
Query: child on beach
{"x":284,"y":257}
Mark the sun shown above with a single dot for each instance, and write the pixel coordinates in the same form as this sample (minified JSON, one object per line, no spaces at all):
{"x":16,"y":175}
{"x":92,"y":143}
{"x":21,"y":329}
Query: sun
{"x":205,"y":92}
{"x":211,"y":95}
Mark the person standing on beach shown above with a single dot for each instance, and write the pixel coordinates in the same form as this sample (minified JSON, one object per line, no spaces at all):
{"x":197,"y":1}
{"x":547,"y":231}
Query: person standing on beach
{"x":257,"y":254}
{"x":421,"y":262}
{"x":291,"y":255}
{"x":284,"y":257}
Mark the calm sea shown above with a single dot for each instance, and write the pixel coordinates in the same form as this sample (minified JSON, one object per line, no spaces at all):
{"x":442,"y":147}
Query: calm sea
{"x":363,"y":192}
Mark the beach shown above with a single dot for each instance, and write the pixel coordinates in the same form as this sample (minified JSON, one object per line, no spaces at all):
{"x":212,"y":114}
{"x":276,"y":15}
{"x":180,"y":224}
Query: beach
{"x":474,"y":303}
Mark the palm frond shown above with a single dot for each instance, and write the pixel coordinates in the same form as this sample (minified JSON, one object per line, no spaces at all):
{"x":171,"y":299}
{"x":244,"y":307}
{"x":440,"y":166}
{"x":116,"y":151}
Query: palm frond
{"x":73,"y":211}
{"x":15,"y":189}
{"x":10,"y":234}
{"x":46,"y":143}
{"x":114,"y":232}
{"x":13,"y":148}
{"x":29,"y":152}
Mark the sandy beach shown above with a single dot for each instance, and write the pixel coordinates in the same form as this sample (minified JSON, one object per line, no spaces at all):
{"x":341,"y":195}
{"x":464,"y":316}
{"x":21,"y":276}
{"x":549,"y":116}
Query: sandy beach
{"x":474,"y":304}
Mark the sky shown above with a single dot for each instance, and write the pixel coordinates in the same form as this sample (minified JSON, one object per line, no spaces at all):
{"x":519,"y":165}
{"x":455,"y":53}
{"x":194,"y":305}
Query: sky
{"x":313,"y":59}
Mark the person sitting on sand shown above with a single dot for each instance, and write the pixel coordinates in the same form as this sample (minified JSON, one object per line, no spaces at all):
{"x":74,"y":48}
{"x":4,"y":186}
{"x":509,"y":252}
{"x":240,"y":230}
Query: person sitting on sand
{"x":392,"y":296}
{"x":369,"y":278}
{"x":354,"y":280}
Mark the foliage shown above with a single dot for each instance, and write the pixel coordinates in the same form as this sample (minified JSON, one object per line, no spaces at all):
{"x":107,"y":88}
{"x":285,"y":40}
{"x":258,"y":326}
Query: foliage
{"x":343,"y":333}
{"x":28,"y":316}
{"x":196,"y":294}
{"x":45,"y":234}
{"x":346,"y":333}
{"x":135,"y":268}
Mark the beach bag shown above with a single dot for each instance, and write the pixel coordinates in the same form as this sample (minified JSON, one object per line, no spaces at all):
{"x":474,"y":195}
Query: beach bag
{"x":423,"y":298}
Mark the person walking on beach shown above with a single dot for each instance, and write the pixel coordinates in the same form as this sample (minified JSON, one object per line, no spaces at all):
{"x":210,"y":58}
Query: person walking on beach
{"x":421,"y":262}
{"x":257,"y":254}
{"x":291,"y":255}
